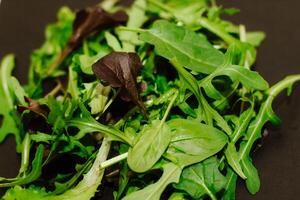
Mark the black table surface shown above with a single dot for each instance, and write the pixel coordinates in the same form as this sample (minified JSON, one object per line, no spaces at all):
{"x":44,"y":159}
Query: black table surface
{"x":278,"y":161}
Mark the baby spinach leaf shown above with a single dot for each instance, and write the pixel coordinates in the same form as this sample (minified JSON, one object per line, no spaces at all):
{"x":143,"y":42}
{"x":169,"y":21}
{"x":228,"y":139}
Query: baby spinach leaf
{"x":202,"y":179}
{"x":190,"y":49}
{"x":120,"y":70}
{"x":193,"y":142}
{"x":151,"y":144}
{"x":153,"y":191}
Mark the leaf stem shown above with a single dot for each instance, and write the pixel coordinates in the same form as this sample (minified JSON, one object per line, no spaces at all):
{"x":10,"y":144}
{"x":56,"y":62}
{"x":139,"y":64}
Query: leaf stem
{"x":25,"y":154}
{"x":213,"y":3}
{"x":169,"y":107}
{"x":55,"y":90}
{"x":98,"y":127}
{"x":111,"y":100}
{"x":244,"y":61}
{"x":136,"y":30}
{"x":113,"y":160}
{"x":243,"y":33}
{"x":285,"y":83}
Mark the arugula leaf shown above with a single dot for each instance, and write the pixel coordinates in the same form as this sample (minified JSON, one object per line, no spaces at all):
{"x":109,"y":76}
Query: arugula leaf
{"x":191,"y":50}
{"x":187,"y":12}
{"x":217,"y":29}
{"x":36,"y":170}
{"x":19,"y":193}
{"x":85,"y":189}
{"x":18,"y":91}
{"x":230,"y":186}
{"x":153,"y":191}
{"x":264,"y":115}
{"x":191,"y":83}
{"x":232,"y":157}
{"x":248,"y":78}
{"x":231,"y":152}
{"x":10,"y":121}
{"x":87,"y":124}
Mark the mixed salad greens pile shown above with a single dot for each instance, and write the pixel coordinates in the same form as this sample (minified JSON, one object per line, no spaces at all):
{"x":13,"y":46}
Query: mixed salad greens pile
{"x":156,"y":99}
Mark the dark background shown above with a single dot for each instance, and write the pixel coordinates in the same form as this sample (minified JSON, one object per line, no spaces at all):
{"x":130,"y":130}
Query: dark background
{"x":22,"y":30}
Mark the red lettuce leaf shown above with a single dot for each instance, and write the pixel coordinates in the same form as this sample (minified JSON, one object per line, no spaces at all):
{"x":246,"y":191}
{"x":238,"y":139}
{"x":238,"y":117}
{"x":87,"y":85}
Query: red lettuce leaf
{"x":120,"y":70}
